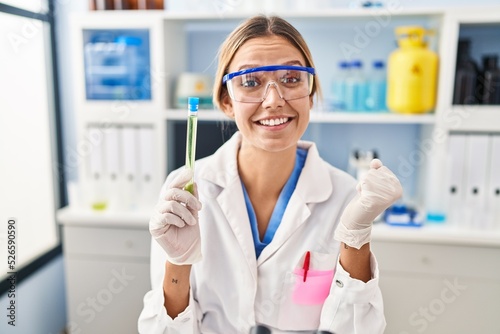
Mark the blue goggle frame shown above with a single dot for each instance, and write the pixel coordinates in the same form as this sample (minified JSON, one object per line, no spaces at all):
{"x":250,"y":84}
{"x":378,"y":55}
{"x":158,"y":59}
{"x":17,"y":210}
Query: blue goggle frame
{"x":269,"y":68}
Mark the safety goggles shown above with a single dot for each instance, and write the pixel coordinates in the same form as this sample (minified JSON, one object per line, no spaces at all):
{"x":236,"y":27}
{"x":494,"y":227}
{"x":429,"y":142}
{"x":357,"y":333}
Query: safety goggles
{"x":252,"y":85}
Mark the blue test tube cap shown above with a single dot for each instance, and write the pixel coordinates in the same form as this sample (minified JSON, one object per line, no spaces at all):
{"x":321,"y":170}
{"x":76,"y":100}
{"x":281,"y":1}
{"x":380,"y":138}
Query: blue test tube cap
{"x":193,"y":103}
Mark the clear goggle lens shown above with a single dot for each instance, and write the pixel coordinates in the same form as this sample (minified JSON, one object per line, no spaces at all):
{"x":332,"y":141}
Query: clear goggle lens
{"x":253,"y":85}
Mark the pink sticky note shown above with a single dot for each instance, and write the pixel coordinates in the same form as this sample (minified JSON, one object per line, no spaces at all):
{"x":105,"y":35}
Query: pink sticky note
{"x":315,"y":289}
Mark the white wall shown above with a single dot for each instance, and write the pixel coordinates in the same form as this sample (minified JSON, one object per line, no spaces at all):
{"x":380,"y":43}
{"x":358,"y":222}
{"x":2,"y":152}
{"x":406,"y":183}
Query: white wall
{"x":63,"y":10}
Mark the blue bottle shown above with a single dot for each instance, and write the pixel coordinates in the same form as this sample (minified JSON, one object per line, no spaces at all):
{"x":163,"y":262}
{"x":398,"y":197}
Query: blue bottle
{"x":356,"y":88}
{"x":339,"y":86}
{"x":377,"y":88}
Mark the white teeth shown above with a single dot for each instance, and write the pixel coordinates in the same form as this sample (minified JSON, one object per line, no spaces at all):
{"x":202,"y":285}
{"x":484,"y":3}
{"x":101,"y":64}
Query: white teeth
{"x":274,"y":122}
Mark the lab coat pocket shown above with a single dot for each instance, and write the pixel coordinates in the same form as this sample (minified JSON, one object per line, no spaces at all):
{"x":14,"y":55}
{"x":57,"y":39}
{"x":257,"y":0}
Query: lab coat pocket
{"x":314,"y":289}
{"x":302,"y":301}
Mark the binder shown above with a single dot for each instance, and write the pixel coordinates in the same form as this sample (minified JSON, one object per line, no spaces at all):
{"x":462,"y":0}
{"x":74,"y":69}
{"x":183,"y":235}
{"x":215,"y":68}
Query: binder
{"x":493,"y":190}
{"x":455,"y":183}
{"x":477,"y":166}
{"x":95,"y":137}
{"x":112,"y":164}
{"x":128,"y":150}
{"x":96,"y":193}
{"x":148,"y":192}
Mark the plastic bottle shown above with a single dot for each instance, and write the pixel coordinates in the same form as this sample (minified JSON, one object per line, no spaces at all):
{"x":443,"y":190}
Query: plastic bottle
{"x":355,"y":88}
{"x":339,"y":85}
{"x":466,"y":90}
{"x":377,"y":88}
{"x":359,"y":162}
{"x":490,"y":80}
{"x":412,"y":73}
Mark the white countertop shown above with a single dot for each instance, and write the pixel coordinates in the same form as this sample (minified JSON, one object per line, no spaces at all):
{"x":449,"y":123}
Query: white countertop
{"x":436,"y":234}
{"x":430,"y":233}
{"x":84,"y":217}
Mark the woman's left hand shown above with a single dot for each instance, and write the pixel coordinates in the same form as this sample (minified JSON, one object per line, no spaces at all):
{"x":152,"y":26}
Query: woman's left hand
{"x":378,"y":190}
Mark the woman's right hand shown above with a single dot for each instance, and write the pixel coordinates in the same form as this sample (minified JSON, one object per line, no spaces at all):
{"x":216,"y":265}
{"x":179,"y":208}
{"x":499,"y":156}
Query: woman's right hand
{"x":174,"y":223}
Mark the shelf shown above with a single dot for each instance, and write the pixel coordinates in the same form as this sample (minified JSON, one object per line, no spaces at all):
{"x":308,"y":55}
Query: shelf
{"x":472,"y":118}
{"x":138,"y":115}
{"x":441,"y":234}
{"x":122,"y":113}
{"x":232,"y":12}
{"x":82,"y":217}
{"x":203,"y":115}
{"x":302,"y":13}
{"x":370,"y":117}
{"x":320,"y":117}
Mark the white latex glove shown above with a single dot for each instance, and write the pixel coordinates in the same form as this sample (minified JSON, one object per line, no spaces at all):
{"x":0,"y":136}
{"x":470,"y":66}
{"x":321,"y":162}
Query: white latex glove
{"x":174,"y":223}
{"x":378,"y":190}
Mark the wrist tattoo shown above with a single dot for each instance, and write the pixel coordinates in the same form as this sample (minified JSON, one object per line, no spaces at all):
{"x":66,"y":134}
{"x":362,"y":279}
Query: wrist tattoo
{"x":174,"y":280}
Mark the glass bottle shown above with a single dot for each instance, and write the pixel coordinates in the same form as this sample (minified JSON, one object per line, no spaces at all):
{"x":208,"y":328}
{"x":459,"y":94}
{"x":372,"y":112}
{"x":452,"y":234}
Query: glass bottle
{"x":126,"y":4}
{"x":466,"y":90}
{"x":102,"y":5}
{"x":150,"y":4}
{"x":490,"y":80}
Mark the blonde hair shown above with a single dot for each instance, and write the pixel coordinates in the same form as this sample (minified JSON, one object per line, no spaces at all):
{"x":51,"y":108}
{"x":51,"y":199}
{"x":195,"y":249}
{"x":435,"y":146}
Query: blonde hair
{"x":258,"y":26}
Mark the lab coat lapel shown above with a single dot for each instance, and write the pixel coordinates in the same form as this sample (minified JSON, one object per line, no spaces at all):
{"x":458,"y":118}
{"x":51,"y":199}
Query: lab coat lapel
{"x":232,"y":203}
{"x":223,"y":171}
{"x":314,"y":185}
{"x":295,"y":215}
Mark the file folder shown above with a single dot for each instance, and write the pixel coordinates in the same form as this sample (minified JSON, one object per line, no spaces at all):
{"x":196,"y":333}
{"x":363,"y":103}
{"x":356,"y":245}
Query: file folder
{"x":477,"y":166}
{"x":146,"y":167}
{"x":455,"y":186}
{"x":96,"y":195}
{"x":129,"y":143}
{"x":112,"y":164}
{"x":493,"y":190}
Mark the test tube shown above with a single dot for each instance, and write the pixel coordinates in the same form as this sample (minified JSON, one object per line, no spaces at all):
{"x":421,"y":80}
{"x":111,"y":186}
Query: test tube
{"x":192,"y":124}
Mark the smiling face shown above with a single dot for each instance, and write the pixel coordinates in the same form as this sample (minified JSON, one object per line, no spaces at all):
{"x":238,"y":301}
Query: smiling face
{"x":275,"y":124}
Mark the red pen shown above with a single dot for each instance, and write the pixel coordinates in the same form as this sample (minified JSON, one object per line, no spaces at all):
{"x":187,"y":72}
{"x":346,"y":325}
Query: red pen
{"x":307,"y":259}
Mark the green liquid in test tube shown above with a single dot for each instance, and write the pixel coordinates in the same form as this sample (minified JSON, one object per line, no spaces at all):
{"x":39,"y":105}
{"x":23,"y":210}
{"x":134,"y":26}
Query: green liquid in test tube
{"x":192,"y":124}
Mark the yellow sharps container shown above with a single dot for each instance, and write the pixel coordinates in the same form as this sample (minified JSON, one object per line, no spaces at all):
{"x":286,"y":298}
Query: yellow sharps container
{"x":412,"y":73}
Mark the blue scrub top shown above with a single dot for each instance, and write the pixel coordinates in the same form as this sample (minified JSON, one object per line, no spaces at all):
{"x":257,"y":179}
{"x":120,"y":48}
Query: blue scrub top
{"x":280,"y":207}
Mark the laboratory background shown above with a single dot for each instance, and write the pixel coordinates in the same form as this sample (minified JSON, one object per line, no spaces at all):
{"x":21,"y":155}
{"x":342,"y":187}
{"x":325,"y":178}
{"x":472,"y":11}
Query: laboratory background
{"x":93,"y":109}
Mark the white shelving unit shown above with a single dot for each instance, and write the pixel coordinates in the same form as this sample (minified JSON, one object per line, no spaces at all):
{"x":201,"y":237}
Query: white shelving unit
{"x":321,"y":117}
{"x":176,"y":38}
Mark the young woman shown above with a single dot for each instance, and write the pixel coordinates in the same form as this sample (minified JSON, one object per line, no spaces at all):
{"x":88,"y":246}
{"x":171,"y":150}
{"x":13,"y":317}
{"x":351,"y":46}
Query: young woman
{"x":273,"y":234}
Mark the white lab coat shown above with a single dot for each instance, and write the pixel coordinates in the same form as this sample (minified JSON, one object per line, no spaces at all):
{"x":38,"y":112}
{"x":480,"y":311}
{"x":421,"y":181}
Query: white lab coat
{"x":231,"y":290}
